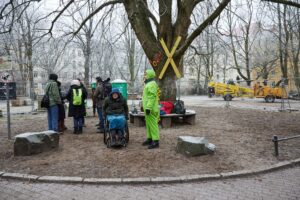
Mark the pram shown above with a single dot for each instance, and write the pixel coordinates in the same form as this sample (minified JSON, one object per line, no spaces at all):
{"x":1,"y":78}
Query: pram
{"x":115,"y":137}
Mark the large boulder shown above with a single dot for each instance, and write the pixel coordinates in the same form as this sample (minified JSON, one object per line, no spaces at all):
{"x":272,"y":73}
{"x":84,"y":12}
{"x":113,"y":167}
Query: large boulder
{"x":35,"y":142}
{"x":194,"y":146}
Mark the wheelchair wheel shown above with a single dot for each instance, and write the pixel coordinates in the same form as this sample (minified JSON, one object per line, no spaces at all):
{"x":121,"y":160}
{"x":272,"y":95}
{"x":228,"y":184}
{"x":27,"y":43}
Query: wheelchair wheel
{"x":126,"y":133}
{"x":108,"y":143}
{"x":105,"y":136}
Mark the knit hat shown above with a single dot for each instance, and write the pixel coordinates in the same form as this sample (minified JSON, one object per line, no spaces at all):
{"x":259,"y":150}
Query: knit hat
{"x":75,"y":82}
{"x":53,"y":77}
{"x":115,"y":90}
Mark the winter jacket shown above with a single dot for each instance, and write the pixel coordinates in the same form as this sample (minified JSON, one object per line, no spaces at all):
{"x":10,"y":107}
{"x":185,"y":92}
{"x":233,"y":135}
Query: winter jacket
{"x":53,"y":92}
{"x":115,"y":106}
{"x":74,"y":110}
{"x":98,"y":95}
{"x":150,"y":93}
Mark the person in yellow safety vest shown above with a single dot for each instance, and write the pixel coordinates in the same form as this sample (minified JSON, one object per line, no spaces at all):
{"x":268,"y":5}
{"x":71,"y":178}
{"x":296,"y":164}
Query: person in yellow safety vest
{"x":150,"y":105}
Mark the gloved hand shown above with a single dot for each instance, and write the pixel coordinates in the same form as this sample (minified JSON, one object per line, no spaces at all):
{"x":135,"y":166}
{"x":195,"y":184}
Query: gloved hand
{"x":147,"y":112}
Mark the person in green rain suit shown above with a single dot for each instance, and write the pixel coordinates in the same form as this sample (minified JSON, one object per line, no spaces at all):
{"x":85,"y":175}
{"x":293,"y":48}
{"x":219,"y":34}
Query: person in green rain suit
{"x":150,"y":106}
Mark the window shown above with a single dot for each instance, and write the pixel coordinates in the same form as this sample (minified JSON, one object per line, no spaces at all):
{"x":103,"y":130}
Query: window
{"x":79,"y":53}
{"x":273,"y":72}
{"x":35,"y":74}
{"x":74,"y":64}
{"x":74,"y":75}
{"x":65,"y":75}
{"x":43,"y":75}
{"x":191,"y":70}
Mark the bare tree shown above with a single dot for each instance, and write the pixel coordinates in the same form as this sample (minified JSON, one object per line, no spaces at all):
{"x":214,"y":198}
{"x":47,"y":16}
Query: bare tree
{"x":285,"y":2}
{"x":50,"y":55}
{"x":242,"y":32}
{"x":149,"y":30}
{"x":264,"y":56}
{"x":294,"y":27}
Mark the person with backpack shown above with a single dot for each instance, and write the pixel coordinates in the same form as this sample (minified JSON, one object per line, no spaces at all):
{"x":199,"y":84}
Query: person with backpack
{"x":85,"y":102}
{"x":76,"y":97}
{"x":150,"y":105}
{"x":102,"y":91}
{"x":52,"y":91}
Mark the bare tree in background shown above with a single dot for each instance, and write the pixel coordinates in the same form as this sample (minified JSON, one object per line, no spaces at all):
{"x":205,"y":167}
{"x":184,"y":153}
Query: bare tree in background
{"x":134,"y":55}
{"x":264,"y":56}
{"x":21,"y":42}
{"x":84,"y":37}
{"x":242,"y":32}
{"x":50,"y":55}
{"x":294,"y":27}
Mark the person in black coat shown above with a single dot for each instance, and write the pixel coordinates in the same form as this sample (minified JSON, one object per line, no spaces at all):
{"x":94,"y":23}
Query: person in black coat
{"x":76,"y":111}
{"x":115,"y":110}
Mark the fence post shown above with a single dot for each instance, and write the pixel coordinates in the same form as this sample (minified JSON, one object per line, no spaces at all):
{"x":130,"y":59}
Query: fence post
{"x":8,"y":110}
{"x":275,"y":140}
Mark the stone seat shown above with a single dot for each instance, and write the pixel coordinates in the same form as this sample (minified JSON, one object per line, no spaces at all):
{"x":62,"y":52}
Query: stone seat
{"x":26,"y":144}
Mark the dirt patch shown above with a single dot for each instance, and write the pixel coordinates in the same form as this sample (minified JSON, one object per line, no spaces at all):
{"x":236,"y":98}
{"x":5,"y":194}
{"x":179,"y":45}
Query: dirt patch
{"x":242,"y":137}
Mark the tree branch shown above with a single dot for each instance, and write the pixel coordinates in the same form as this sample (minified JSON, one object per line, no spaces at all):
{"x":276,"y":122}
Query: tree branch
{"x":289,"y":3}
{"x":96,"y":11}
{"x":149,"y":13}
{"x":204,"y":24}
{"x":59,"y":14}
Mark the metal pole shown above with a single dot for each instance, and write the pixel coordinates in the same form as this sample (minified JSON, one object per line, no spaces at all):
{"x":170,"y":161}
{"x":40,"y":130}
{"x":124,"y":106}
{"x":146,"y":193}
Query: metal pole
{"x":8,"y":111}
{"x":275,"y":140}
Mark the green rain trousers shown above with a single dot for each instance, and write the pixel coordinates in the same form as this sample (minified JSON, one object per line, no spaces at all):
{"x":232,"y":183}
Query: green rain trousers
{"x":150,"y":102}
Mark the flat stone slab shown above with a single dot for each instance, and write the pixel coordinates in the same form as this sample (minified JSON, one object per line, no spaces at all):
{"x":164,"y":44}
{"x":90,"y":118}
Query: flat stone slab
{"x":35,"y":142}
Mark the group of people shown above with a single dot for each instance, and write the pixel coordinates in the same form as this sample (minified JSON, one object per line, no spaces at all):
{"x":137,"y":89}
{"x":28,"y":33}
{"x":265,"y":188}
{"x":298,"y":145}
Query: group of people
{"x":110,"y":104}
{"x":76,"y":96}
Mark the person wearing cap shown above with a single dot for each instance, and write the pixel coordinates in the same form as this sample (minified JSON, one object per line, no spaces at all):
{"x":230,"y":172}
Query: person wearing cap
{"x":53,"y":92}
{"x":115,"y":110}
{"x":76,"y":97}
{"x":150,"y":106}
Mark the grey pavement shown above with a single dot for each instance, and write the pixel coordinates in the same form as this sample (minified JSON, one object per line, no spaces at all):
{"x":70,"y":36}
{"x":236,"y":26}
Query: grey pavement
{"x":281,"y":184}
{"x":241,"y":103}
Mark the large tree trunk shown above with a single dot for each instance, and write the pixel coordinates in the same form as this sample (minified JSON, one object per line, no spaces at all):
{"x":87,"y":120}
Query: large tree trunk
{"x":139,"y":17}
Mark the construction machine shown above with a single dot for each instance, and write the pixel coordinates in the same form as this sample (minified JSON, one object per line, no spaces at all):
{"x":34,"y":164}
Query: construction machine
{"x":228,"y":91}
{"x":270,"y":93}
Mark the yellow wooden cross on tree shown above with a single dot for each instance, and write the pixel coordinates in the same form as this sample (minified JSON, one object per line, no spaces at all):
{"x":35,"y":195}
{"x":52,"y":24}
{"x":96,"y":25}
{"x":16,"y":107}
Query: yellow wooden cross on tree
{"x":170,"y":58}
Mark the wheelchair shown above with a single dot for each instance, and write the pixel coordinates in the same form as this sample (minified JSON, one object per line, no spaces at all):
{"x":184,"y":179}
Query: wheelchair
{"x":110,"y":136}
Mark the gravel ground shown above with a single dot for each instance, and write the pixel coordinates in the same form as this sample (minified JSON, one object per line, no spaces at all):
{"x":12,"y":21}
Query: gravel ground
{"x":242,"y":137}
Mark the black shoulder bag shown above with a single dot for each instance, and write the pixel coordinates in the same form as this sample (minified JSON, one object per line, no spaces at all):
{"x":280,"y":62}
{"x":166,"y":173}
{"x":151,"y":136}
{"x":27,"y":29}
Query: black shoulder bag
{"x":45,"y":103}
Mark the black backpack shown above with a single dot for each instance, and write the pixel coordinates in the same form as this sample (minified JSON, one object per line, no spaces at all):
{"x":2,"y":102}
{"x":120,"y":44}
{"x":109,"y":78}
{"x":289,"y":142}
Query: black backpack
{"x":179,"y":107}
{"x":107,"y":87}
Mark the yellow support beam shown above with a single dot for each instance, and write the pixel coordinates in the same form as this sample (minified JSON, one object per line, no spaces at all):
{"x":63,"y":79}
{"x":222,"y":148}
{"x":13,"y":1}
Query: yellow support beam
{"x":170,"y":57}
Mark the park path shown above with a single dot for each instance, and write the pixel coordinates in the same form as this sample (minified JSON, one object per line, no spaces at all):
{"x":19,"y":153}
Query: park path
{"x":282,"y":185}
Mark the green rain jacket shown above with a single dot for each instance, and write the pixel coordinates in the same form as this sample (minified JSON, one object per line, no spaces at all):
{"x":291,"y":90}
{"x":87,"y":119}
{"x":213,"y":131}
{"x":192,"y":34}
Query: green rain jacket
{"x":53,"y":93}
{"x":150,"y":93}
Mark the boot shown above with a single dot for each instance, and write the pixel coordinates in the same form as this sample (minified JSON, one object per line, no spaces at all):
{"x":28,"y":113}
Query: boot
{"x":60,"y":129}
{"x":63,"y":124}
{"x":80,"y":130}
{"x":75,"y":130}
{"x":154,"y":144}
{"x":148,"y":141}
